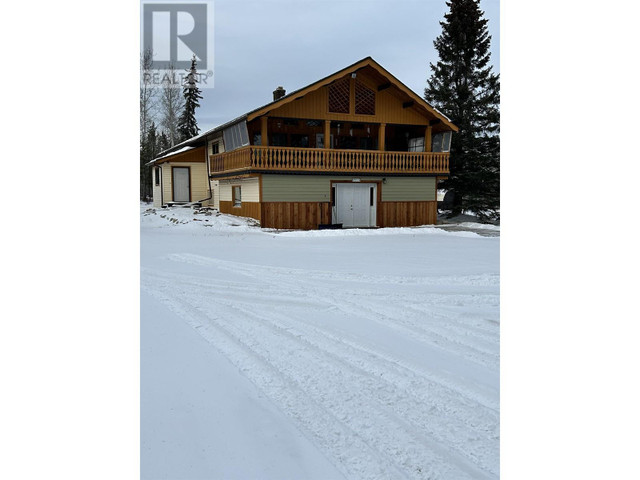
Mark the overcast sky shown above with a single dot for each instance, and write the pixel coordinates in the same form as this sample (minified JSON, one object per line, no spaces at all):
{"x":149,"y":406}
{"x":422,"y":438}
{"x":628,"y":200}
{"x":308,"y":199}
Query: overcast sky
{"x":260,"y":44}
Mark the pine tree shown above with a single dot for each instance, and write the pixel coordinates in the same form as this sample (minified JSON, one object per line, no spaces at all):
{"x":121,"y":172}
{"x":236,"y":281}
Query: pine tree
{"x":463,"y":86}
{"x":162,"y":142}
{"x":187,"y":124}
{"x":148,"y":151}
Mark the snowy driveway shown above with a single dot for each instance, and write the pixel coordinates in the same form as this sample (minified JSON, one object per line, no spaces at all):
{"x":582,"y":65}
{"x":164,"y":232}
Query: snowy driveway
{"x":368,"y":354}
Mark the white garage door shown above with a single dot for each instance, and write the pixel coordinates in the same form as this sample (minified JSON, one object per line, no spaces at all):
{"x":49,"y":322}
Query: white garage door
{"x":355,"y":204}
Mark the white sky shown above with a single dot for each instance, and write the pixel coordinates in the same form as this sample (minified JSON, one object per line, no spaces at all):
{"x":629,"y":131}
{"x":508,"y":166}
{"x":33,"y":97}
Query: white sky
{"x":260,"y":44}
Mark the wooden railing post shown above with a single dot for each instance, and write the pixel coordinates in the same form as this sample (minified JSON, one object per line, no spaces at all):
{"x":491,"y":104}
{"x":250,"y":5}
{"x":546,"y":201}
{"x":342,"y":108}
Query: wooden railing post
{"x":328,"y":160}
{"x":264,"y":139}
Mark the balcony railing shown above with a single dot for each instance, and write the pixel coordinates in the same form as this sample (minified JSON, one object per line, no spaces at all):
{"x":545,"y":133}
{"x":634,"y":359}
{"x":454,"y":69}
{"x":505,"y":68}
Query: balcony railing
{"x":327,"y":160}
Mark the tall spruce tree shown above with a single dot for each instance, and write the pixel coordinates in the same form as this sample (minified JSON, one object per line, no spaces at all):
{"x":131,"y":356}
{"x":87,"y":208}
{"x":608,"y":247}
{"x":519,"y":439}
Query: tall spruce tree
{"x":463,"y":86}
{"x":187,"y":124}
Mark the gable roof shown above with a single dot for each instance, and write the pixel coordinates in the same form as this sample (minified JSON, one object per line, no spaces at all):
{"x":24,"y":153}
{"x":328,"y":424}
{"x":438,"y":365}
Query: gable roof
{"x":264,"y":109}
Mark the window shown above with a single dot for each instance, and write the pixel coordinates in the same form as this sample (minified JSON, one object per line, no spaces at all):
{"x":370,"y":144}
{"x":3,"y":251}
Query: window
{"x":157,"y":172}
{"x":215,"y":148}
{"x":416,"y":144}
{"x":300,"y":141}
{"x":236,"y":193}
{"x":441,"y":142}
{"x":235,"y":136}
{"x":339,"y":96}
{"x":365,"y":100}
{"x":320,"y":140}
{"x":279,"y":139}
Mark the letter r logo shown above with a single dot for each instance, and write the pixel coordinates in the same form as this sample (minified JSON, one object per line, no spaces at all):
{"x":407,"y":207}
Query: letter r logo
{"x":175,"y":32}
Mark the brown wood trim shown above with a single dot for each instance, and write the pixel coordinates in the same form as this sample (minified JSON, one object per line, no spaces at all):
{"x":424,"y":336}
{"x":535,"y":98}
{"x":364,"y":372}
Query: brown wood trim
{"x":188,"y":156}
{"x":408,"y":214}
{"x":295,"y":215}
{"x":247,"y":209}
{"x":173,"y":183}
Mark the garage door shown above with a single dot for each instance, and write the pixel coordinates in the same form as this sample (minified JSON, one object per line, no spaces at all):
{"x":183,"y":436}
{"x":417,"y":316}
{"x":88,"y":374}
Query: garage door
{"x":355,"y":204}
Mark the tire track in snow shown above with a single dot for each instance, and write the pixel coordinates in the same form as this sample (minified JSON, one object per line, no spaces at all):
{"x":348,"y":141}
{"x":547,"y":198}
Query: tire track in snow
{"x":253,"y":293}
{"x":359,"y":414}
{"x":282,"y":276}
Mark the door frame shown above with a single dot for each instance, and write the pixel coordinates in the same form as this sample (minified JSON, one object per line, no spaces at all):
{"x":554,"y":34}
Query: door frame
{"x":378,"y":197}
{"x":173,"y":197}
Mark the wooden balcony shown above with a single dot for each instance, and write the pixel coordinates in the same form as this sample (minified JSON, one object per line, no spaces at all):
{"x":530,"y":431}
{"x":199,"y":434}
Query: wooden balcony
{"x":314,"y":160}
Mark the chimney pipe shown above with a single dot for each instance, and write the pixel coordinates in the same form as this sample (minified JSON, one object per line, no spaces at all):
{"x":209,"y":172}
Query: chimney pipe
{"x":278,"y":93}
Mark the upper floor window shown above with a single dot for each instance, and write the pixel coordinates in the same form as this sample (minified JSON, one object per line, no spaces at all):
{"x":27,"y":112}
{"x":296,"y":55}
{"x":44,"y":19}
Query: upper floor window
{"x":215,"y":148}
{"x":441,"y":142}
{"x":339,"y":96}
{"x":416,"y":144}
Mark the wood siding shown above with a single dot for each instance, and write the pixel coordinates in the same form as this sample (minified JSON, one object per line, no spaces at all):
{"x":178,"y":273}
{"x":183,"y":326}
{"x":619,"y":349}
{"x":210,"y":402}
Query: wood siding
{"x":199,"y":180}
{"x":246,"y":209}
{"x":295,"y":215}
{"x":406,"y":214}
{"x":388,"y":105}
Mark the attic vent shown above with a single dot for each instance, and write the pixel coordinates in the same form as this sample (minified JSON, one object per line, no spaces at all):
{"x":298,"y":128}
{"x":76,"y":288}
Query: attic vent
{"x":339,"y":96}
{"x":278,"y":93}
{"x":365,"y":100}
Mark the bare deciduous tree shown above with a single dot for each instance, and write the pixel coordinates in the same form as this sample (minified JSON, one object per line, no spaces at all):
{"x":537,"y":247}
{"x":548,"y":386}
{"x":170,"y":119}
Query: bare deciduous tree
{"x":147,"y":93}
{"x":171,"y":104}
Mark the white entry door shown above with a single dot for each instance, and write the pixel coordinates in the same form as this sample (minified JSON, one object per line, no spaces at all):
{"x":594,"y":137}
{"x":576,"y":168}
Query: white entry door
{"x":355,"y":204}
{"x":181,"y":184}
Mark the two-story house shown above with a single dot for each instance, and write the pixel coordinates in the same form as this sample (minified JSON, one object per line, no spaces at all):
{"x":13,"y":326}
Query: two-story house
{"x":356,"y":148}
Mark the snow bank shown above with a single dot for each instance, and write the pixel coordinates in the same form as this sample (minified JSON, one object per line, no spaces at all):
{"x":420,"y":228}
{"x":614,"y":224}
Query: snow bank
{"x":189,"y":218}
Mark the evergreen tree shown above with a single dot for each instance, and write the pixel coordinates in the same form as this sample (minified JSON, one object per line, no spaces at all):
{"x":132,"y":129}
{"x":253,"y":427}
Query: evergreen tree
{"x":463,"y":86}
{"x":148,"y":151}
{"x":187,"y":124}
{"x":162,"y":142}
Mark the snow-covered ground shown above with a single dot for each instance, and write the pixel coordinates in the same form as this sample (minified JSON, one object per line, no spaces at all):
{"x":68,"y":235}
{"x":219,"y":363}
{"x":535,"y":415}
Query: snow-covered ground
{"x":360,"y":354}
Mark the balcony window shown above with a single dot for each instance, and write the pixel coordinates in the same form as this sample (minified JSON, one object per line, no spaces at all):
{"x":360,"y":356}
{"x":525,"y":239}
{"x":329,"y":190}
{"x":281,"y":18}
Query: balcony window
{"x":441,"y":142}
{"x":300,"y":141}
{"x":279,"y":139}
{"x":416,"y":144}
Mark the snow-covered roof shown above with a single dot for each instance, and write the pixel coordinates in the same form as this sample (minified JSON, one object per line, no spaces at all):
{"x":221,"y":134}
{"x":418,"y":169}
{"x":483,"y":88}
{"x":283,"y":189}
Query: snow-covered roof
{"x":175,"y":152}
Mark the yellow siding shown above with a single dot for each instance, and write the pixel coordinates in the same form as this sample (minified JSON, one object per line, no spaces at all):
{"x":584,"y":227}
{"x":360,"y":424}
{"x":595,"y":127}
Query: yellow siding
{"x":217,"y":138}
{"x":199,"y":181}
{"x":157,"y":190}
{"x":250,"y":189}
{"x":215,"y":188}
